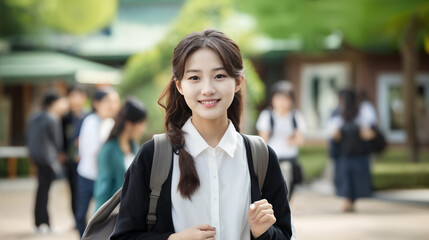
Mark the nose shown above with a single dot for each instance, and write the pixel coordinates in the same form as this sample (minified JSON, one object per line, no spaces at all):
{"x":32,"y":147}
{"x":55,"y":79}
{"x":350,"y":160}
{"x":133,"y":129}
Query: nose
{"x":208,"y":88}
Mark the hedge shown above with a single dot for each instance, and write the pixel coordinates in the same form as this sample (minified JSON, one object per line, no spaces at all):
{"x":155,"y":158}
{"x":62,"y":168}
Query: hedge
{"x":400,"y":175}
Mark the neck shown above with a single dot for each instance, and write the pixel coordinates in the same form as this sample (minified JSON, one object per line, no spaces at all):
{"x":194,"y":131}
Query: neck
{"x":211,"y":130}
{"x":282,"y":112}
{"x":124,"y":142}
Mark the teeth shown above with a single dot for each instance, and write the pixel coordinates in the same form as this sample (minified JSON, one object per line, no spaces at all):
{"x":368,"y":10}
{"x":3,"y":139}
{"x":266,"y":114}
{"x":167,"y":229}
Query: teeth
{"x":209,"y":102}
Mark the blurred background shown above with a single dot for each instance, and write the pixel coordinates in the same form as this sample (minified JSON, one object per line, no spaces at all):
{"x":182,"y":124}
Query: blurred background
{"x":321,"y":46}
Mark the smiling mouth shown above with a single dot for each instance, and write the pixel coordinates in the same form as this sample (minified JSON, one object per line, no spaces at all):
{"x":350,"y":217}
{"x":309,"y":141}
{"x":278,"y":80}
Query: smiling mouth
{"x":208,"y":102}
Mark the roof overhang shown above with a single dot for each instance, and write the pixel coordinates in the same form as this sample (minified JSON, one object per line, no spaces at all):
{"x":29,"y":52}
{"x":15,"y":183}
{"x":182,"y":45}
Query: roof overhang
{"x":33,"y":67}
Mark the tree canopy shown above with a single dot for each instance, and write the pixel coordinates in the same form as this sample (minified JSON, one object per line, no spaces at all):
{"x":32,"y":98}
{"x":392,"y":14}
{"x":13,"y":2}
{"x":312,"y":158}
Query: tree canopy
{"x":21,"y":17}
{"x":365,"y":24}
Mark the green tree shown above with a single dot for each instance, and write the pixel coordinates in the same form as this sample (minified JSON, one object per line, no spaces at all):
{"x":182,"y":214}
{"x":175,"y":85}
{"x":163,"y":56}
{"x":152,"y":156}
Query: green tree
{"x":146,"y":73}
{"x":370,"y":25}
{"x":21,"y":17}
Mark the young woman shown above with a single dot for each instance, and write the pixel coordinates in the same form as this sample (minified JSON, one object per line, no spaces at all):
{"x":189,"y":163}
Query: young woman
{"x":93,"y":133}
{"x":351,"y":129}
{"x":282,"y":127}
{"x":211,"y":192}
{"x":119,"y":151}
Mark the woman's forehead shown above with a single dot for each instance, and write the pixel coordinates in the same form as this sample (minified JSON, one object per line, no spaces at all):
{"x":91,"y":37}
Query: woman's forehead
{"x":202,"y":60}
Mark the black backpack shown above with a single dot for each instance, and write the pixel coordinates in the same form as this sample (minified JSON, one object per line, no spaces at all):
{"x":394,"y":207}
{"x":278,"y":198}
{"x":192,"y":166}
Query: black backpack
{"x":378,"y":143}
{"x":351,"y":144}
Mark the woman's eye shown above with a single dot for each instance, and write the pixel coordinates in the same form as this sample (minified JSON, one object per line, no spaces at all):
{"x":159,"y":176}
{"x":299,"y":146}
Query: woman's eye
{"x":220,"y":76}
{"x":194,"y":78}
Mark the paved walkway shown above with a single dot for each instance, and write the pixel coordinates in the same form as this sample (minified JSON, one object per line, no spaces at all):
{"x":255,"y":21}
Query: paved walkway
{"x":316,"y":215}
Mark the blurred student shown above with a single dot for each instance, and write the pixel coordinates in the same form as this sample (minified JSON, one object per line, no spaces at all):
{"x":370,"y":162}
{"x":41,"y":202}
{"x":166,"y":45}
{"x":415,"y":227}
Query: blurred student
{"x":77,"y":97}
{"x":282,"y":127}
{"x":44,"y":142}
{"x":367,"y":108}
{"x":93,"y":133}
{"x":118,"y":152}
{"x":351,"y":128}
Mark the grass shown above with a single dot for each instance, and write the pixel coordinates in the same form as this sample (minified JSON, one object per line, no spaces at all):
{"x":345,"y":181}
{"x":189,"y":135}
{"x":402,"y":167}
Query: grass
{"x":313,"y":160}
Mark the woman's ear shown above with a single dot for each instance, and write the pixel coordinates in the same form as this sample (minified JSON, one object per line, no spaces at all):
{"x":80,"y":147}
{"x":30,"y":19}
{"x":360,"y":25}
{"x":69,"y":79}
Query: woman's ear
{"x":239,"y":83}
{"x":178,"y":86}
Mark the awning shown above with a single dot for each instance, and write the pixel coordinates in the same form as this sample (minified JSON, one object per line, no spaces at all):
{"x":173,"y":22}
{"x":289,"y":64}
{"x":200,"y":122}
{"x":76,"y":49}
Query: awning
{"x":33,"y":67}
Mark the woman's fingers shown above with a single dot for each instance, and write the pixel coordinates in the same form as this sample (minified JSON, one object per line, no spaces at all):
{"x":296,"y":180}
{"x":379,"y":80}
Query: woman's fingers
{"x":257,"y":207}
{"x":263,"y":213}
{"x":269,"y":218}
{"x":209,"y":234}
{"x":205,"y":227}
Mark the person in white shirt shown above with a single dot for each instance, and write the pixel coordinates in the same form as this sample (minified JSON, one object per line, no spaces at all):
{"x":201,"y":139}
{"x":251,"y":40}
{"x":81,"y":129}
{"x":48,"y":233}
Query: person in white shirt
{"x":282,"y":127}
{"x":211,"y":191}
{"x":93,"y":133}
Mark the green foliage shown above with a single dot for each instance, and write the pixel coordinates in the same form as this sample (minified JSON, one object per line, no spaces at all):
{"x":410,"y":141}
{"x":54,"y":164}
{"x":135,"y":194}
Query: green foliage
{"x":21,"y":17}
{"x":78,"y":16}
{"x":366,"y":24}
{"x":18,"y":17}
{"x":313,"y":160}
{"x":400,"y":175}
{"x":147,"y":73}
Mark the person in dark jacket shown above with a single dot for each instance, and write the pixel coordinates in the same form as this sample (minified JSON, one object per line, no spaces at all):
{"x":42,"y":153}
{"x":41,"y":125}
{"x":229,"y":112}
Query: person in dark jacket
{"x":44,"y":142}
{"x":119,"y":151}
{"x":212,"y":191}
{"x":76,"y":96}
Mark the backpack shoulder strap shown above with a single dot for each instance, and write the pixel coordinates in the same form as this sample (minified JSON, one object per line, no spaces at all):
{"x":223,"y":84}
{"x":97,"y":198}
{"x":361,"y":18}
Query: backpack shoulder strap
{"x":294,"y":123}
{"x":260,"y":157}
{"x":271,"y":122}
{"x":161,"y":165}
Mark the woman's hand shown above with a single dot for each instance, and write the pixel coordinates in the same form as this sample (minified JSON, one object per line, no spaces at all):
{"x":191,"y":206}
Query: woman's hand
{"x":199,"y":232}
{"x":261,"y":217}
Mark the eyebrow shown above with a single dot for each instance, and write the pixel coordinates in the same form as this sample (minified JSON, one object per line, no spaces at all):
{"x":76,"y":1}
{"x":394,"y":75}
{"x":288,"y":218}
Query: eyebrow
{"x":213,"y":70}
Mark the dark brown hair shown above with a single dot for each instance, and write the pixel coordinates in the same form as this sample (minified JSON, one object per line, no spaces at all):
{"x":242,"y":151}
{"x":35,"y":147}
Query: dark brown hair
{"x":132,"y":111}
{"x":178,"y":112}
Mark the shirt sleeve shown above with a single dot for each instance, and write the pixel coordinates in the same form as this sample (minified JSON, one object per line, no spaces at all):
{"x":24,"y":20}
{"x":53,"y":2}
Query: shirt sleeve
{"x":334,"y":124}
{"x":367,"y":115}
{"x":275,"y":191}
{"x":263,"y":122}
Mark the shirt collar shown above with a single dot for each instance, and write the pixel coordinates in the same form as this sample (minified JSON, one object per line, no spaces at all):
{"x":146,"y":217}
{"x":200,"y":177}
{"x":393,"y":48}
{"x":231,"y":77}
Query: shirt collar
{"x":195,"y":143}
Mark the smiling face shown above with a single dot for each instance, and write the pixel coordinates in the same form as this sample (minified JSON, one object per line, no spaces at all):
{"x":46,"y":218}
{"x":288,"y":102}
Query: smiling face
{"x":206,"y":86}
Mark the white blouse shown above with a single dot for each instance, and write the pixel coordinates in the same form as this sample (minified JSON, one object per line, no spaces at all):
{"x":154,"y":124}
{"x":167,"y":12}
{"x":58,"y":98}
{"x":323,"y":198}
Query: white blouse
{"x":93,"y":134}
{"x":283,"y":129}
{"x":223,"y":198}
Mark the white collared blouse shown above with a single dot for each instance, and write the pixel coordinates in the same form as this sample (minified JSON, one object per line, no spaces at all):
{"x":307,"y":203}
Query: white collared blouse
{"x":223,"y":198}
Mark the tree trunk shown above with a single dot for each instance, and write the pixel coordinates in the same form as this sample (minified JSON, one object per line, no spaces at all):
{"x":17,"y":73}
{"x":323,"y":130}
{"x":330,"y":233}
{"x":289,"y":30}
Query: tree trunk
{"x":410,"y":66}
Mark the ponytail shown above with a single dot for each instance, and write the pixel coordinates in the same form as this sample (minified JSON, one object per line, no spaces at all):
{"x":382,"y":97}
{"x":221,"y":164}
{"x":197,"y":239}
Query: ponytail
{"x":177,"y":113}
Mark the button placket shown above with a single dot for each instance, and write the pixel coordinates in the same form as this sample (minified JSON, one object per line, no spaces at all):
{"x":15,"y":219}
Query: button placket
{"x":214,"y":183}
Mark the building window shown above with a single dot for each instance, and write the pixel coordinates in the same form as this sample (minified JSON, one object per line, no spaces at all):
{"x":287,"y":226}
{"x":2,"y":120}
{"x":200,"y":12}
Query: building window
{"x":391,"y":109}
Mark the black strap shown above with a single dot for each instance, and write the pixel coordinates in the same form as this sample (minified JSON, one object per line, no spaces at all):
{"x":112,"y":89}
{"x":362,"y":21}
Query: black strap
{"x":271,"y":123}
